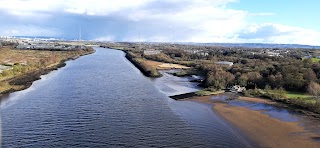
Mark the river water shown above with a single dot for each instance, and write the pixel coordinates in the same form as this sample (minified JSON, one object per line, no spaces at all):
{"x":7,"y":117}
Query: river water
{"x":102,"y":100}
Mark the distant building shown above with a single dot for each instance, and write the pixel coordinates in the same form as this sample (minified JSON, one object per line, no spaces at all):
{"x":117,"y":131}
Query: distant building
{"x":151,"y":52}
{"x":237,"y":88}
{"x":307,"y":57}
{"x":273,"y":54}
{"x":225,"y":63}
{"x":203,"y":54}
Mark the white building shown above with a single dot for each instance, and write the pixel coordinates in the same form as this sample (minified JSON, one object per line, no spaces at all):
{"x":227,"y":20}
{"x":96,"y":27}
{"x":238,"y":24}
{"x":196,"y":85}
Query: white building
{"x":225,"y":63}
{"x":151,"y":52}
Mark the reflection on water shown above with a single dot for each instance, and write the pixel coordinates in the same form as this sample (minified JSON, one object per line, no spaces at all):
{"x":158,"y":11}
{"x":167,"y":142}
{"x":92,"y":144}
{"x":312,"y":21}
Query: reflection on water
{"x":272,"y":111}
{"x":172,"y":85}
{"x":102,"y":100}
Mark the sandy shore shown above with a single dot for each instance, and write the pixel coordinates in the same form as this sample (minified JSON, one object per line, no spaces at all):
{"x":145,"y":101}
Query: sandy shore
{"x":172,"y":66}
{"x":266,"y":131}
{"x":164,"y":66}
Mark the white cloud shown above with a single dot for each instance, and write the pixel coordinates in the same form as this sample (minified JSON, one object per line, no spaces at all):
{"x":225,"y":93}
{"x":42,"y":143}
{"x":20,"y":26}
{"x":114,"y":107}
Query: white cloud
{"x":29,"y":30}
{"x":90,"y":7}
{"x":105,"y":38}
{"x":204,"y":21}
{"x":276,"y":33}
{"x":151,"y":20}
{"x":20,"y":7}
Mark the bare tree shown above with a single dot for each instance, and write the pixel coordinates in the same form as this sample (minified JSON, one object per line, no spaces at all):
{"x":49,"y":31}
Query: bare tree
{"x":314,"y":89}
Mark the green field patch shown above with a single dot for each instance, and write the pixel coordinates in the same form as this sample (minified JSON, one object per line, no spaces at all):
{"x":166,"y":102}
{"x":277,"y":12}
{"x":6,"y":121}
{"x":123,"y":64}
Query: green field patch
{"x":291,"y":94}
{"x":207,"y":92}
{"x":315,"y":60}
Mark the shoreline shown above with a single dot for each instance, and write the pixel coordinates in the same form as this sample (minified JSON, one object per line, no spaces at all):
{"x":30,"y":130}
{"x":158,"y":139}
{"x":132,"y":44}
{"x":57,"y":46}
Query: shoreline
{"x":152,"y":68}
{"x":140,"y":67}
{"x":27,"y":79}
{"x":260,"y":127}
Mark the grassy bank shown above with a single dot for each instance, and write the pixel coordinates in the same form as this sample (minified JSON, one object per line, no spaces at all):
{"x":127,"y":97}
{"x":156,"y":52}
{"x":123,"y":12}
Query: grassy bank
{"x":209,"y":92}
{"x":295,"y":100}
{"x":142,"y":66}
{"x":148,"y":67}
{"x":29,"y":65}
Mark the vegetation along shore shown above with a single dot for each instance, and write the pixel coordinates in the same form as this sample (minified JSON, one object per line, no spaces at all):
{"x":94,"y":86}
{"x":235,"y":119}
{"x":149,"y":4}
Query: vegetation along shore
{"x":21,"y":67}
{"x":284,"y":78}
{"x":287,"y":75}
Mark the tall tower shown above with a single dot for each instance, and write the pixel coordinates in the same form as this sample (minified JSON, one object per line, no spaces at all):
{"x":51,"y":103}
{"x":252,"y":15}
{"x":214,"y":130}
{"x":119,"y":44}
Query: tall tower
{"x":80,"y":33}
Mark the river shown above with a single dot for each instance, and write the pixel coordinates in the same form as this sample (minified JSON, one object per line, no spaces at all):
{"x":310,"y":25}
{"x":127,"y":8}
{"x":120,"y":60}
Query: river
{"x":102,"y":100}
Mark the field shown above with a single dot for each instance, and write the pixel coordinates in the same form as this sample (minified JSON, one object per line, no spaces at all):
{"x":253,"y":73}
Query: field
{"x":315,"y":60}
{"x":298,"y":99}
{"x":291,"y":94}
{"x":208,"y":93}
{"x":25,"y":62}
{"x":161,"y":65}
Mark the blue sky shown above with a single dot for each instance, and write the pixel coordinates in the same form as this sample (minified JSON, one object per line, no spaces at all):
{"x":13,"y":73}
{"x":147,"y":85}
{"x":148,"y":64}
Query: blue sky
{"x":227,"y":21}
{"x":287,"y":12}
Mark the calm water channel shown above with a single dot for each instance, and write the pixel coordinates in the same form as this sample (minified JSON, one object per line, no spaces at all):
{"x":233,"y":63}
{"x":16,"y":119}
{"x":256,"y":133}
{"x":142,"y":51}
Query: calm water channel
{"x":102,"y":100}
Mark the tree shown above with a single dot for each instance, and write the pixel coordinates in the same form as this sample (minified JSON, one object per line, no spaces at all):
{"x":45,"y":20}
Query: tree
{"x":314,"y":89}
{"x":219,"y":79}
{"x":309,"y":75}
{"x":254,"y":78}
{"x":276,"y":81}
{"x":243,"y":79}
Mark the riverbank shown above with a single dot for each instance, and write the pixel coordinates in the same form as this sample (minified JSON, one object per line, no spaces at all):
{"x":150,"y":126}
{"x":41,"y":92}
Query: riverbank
{"x":265,"y":130}
{"x":149,"y":68}
{"x":25,"y":80}
{"x":145,"y":69}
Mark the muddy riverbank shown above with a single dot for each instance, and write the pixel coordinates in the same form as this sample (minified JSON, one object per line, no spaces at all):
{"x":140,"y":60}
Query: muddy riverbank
{"x":265,"y":129}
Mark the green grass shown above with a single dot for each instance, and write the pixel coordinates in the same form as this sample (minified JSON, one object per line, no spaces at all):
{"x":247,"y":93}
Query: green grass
{"x":291,"y":94}
{"x":207,"y":92}
{"x":315,"y":60}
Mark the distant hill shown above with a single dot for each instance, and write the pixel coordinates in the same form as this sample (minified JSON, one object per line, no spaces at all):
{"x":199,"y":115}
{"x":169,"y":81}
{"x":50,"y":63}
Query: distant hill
{"x":256,"y":45}
{"x":249,"y":45}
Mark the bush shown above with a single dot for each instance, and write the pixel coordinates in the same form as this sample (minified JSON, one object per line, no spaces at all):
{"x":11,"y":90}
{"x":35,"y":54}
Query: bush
{"x":7,"y":73}
{"x":4,"y":86}
{"x":252,"y":93}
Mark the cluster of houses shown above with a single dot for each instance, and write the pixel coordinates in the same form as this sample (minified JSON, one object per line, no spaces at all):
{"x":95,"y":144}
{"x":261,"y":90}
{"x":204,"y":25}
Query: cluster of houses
{"x":151,"y":52}
{"x":271,"y":53}
{"x":154,"y":52}
{"x":30,"y":45}
{"x":236,"y":89}
{"x":198,"y":52}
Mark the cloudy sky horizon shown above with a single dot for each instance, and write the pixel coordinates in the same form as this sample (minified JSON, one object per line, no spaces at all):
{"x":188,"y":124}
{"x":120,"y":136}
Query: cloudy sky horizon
{"x":204,"y":21}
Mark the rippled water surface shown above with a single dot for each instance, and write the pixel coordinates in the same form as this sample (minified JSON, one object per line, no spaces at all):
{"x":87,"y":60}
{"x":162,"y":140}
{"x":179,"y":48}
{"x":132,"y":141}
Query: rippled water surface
{"x":102,"y":100}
